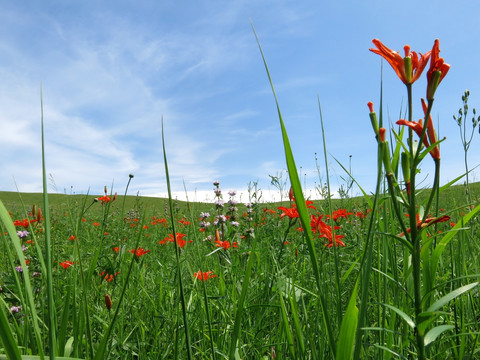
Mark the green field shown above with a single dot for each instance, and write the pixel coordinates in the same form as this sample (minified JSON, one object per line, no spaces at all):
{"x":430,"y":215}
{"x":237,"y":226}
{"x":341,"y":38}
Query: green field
{"x":282,"y":313}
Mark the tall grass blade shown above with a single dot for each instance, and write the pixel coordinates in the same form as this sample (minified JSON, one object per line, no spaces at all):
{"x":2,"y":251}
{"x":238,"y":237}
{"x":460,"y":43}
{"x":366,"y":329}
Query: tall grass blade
{"x":441,"y":246}
{"x":241,"y":303}
{"x":48,"y":248}
{"x":348,"y":329}
{"x":102,"y":348}
{"x":301,"y":207}
{"x":177,"y":251}
{"x":29,"y":296}
{"x":9,"y":344}
{"x":286,"y":327}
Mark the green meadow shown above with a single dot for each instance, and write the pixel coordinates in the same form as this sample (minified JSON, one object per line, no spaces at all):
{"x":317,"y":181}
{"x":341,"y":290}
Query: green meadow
{"x":391,"y":274}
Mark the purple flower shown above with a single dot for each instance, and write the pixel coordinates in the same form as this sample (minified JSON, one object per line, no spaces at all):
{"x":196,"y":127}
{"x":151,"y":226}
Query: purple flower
{"x":217,"y":191}
{"x":232,"y":193}
{"x":19,"y":269}
{"x":204,"y":215}
{"x":235,"y":223}
{"x":221,"y":219}
{"x":204,"y":224}
{"x":216,"y":183}
{"x":22,"y":234}
{"x":219,"y":203}
{"x":232,"y":202}
{"x":15,"y":309}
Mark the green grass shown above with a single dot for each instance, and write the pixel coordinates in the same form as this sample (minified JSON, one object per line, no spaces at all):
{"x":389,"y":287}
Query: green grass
{"x":281,"y":313}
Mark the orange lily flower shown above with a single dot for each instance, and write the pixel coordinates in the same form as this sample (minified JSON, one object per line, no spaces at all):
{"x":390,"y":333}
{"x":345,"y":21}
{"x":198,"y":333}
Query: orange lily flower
{"x":438,"y":70}
{"x":428,"y":221}
{"x":408,"y":68}
{"x":430,"y":137}
{"x":205,"y":275}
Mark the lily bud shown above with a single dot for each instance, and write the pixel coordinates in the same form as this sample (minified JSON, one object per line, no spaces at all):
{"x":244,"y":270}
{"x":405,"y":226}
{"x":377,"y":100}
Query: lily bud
{"x":108,"y":302}
{"x":373,"y":119}
{"x":406,"y":170}
{"x":39,"y":215}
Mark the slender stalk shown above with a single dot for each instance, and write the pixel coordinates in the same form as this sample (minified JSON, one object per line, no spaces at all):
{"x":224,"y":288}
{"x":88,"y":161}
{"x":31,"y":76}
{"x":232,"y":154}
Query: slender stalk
{"x":177,"y":252}
{"x":48,"y":248}
{"x":332,"y":225}
{"x":414,"y":234}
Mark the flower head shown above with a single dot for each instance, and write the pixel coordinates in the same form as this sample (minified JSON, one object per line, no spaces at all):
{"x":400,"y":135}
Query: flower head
{"x":22,"y":234}
{"x":408,"y":68}
{"x":429,"y":138}
{"x":139,"y":252}
{"x":204,"y":276}
{"x":325,"y":231}
{"x":225,"y":244}
{"x":66,"y":264}
{"x":179,"y":240}
{"x":437,"y":71}
{"x":15,"y":309}
{"x":428,"y":221}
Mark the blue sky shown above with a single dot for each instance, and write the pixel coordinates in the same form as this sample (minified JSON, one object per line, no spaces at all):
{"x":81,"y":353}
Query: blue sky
{"x":111,"y":69}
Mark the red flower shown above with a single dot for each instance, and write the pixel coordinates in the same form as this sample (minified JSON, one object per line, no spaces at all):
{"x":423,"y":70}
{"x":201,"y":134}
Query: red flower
{"x":66,"y":264}
{"x":204,"y":276}
{"x":139,"y":252}
{"x":108,"y":277}
{"x":105,"y":198}
{"x":438,"y":70}
{"x":72,"y":237}
{"x":408,"y":68}
{"x":156,"y":221}
{"x":179,"y":239}
{"x":116,"y":249}
{"x":325,"y":231}
{"x":429,"y":137}
{"x":184,"y":222}
{"x":428,"y":221}
{"x":225,"y":244}
{"x":337,"y":214}
{"x":23,"y":223}
{"x":292,"y":212}
{"x":269,"y":211}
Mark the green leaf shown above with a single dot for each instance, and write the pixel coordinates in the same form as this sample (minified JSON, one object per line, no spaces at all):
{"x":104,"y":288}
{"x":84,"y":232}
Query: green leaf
{"x":450,"y":296}
{"x":435,"y":332}
{"x":301,"y":207}
{"x":346,"y":338}
{"x":29,"y":295}
{"x":8,"y":341}
{"x":404,"y":316}
{"x":286,"y":327}
{"x":446,"y":239}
